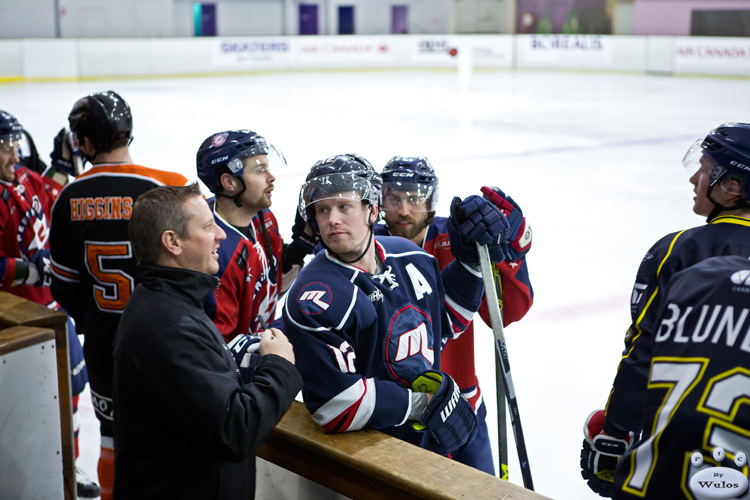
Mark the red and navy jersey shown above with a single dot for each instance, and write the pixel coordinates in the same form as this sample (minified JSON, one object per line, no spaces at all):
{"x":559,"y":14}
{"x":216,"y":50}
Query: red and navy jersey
{"x":725,"y":235}
{"x":24,"y":230}
{"x":248,"y":287}
{"x":698,"y":382}
{"x":93,"y":267}
{"x":362,"y":338}
{"x":457,"y":358}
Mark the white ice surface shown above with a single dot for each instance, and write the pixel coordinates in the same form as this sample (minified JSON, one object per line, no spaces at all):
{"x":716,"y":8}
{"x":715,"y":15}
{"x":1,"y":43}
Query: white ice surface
{"x":593,"y":159}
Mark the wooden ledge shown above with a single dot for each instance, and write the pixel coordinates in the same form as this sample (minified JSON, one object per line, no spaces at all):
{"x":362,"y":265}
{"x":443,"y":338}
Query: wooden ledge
{"x":15,"y":310}
{"x":19,"y":337}
{"x":372,"y":465}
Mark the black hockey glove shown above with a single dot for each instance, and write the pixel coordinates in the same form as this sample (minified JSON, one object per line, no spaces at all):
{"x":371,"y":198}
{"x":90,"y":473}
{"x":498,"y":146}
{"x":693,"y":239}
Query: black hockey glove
{"x":62,"y":156}
{"x":600,"y":454}
{"x":449,"y":417}
{"x":476,"y":220}
{"x":519,"y":241}
{"x":245,"y":350}
{"x":300,"y":238}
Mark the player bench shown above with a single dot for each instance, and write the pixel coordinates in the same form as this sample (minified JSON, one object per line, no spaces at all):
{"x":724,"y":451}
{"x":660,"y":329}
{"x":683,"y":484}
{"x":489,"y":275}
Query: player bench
{"x":366,"y":465}
{"x":36,"y":411}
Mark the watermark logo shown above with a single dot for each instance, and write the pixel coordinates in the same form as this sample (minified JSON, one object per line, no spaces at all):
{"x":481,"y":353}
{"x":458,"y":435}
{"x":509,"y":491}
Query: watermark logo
{"x":718,"y":482}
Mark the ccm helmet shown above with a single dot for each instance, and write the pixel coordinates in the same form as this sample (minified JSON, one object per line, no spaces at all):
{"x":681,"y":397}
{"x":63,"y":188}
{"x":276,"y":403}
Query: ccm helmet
{"x":348,"y":176}
{"x":728,"y":145}
{"x":10,"y":129}
{"x":224,"y":152}
{"x":412,"y":175}
{"x":104,"y":118}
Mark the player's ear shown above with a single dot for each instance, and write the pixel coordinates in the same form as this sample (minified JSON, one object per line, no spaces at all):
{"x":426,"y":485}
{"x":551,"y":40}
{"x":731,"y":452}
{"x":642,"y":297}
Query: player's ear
{"x":171,"y":242}
{"x":228,"y":182}
{"x":374,"y":213}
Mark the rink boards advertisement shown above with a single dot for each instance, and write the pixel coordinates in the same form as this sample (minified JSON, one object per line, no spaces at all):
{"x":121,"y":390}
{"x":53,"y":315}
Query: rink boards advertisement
{"x":728,"y":56}
{"x":40,"y":59}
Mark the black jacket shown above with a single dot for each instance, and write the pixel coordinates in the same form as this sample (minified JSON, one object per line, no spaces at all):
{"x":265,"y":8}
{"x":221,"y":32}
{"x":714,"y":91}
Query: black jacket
{"x":185,"y":426}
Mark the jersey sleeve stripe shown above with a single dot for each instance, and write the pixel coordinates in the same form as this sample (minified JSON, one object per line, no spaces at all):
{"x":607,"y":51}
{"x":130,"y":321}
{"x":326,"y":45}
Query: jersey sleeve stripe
{"x":350,"y":410}
{"x":353,"y":301}
{"x":64,"y":273}
{"x":637,"y":324}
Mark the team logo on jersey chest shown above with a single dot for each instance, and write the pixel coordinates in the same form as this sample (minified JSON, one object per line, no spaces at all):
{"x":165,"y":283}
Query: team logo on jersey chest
{"x":314,"y":298}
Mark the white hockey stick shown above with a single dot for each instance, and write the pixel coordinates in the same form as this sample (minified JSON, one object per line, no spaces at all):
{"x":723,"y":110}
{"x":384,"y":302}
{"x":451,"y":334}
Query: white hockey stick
{"x":510,"y":392}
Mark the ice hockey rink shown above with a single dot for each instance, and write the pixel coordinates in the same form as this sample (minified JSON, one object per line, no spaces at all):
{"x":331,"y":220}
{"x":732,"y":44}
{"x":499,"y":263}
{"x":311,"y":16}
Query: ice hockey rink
{"x":593,"y":159}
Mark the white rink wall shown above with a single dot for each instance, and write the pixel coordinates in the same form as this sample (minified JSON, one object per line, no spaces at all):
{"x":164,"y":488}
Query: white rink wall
{"x":95,"y":58}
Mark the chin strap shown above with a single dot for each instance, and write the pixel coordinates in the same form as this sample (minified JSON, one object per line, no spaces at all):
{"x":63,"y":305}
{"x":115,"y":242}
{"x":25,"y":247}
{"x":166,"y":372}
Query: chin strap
{"x":369,"y":242}
{"x":719,"y":208}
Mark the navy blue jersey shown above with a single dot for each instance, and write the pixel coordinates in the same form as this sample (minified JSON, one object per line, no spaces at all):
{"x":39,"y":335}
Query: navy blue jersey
{"x":360,"y":339}
{"x":725,"y":235}
{"x":698,"y":385}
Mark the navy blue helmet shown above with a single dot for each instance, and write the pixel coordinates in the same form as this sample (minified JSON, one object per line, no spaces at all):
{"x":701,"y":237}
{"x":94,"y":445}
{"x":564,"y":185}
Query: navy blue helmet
{"x":228,"y":149}
{"x":347,"y":176}
{"x":728,"y":145}
{"x":10,"y":129}
{"x":412,"y":177}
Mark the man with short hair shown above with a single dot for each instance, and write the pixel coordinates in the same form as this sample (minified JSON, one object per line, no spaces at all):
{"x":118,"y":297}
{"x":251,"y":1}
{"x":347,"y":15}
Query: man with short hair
{"x":410,"y":193}
{"x":93,"y":269}
{"x":186,"y":426}
{"x":371,"y":313}
{"x":719,"y":165}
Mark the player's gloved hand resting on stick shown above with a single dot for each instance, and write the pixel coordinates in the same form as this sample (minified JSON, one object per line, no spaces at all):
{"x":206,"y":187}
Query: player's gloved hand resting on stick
{"x":601,"y":451}
{"x":519,"y":241}
{"x":476,"y":220}
{"x":448,"y":416}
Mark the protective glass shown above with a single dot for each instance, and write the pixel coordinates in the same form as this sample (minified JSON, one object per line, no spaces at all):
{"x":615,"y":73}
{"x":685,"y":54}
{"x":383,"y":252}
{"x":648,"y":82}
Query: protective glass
{"x":718,"y":175}
{"x":346,"y":186}
{"x":8,"y":145}
{"x":417,"y":197}
{"x":262,"y":158}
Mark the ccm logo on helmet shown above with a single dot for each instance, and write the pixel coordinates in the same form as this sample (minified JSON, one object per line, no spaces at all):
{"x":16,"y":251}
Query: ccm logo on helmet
{"x":738,"y":164}
{"x":403,"y":174}
{"x":217,"y":160}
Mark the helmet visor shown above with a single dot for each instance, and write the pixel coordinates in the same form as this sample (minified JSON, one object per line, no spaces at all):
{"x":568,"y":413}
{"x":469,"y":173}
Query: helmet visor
{"x":348,"y":186}
{"x":258,"y":159}
{"x":417,"y":197}
{"x":698,"y":158}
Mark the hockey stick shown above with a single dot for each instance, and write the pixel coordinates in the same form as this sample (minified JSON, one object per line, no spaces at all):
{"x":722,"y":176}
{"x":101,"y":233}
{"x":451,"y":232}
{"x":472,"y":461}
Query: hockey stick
{"x":510,"y":393}
{"x":502,"y":428}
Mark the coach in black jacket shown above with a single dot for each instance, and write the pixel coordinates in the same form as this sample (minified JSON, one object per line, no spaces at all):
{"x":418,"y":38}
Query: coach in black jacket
{"x":185,"y":425}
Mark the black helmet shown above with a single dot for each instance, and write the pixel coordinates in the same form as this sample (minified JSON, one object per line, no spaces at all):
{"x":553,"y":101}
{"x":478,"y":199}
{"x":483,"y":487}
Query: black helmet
{"x":343,"y":176}
{"x":104,"y":118}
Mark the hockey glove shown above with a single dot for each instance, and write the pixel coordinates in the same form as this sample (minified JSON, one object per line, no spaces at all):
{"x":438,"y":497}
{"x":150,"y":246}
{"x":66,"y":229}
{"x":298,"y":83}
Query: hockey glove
{"x":63,"y":159}
{"x":449,"y":417}
{"x":300,"y":238}
{"x":245,"y":350}
{"x":600,"y":454}
{"x":476,"y":220}
{"x":34,"y":272}
{"x":519,"y":241}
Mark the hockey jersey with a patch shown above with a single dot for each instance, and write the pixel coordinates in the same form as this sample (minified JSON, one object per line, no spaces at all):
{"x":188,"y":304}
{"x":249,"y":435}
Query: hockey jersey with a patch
{"x":725,"y":235}
{"x":457,"y":358}
{"x":698,"y":385}
{"x":249,"y":287}
{"x":24,"y":230}
{"x":360,"y":339}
